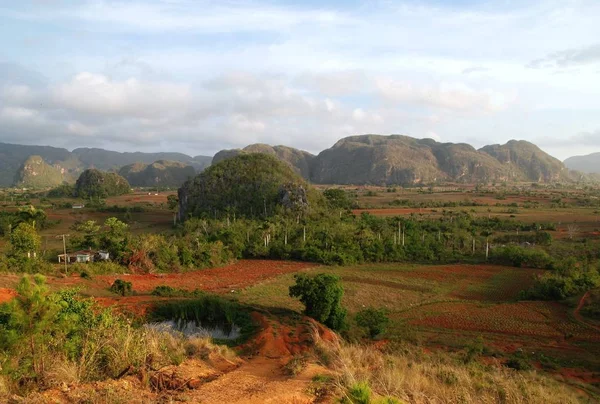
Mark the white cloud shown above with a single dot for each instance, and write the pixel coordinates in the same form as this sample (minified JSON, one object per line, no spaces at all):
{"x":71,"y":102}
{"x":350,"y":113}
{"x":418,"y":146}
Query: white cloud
{"x":452,"y":96}
{"x":97,"y":94}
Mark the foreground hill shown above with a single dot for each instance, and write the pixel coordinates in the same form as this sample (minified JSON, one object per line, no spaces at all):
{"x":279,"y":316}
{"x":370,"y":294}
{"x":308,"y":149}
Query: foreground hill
{"x":300,"y":160}
{"x":160,"y":173}
{"x":248,"y":185}
{"x":71,"y":164}
{"x":587,"y":164}
{"x":94,"y":183}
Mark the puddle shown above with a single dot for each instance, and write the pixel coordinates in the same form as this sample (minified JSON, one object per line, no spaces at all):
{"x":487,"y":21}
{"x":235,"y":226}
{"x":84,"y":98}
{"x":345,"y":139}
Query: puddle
{"x":193,"y":329}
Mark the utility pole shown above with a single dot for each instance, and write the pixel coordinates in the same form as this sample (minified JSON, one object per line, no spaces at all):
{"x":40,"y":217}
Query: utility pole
{"x":65,"y":258}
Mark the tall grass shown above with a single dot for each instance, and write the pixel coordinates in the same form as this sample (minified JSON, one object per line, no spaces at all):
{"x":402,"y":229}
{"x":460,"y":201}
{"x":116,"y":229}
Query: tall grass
{"x":413,"y":377}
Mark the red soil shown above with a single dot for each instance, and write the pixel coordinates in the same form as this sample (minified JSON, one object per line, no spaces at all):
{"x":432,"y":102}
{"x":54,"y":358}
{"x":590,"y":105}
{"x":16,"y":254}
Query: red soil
{"x":220,"y":280}
{"x":278,"y":340}
{"x":6,"y":294}
{"x":391,"y":212}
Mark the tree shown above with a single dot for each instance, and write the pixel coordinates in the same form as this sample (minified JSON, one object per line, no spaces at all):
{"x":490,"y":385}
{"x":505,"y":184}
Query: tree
{"x":90,"y":230}
{"x":115,"y":238}
{"x":172,"y":202}
{"x":374,"y":320}
{"x":322,"y":298}
{"x":25,"y":240}
{"x":30,"y":324}
{"x":337,"y":198}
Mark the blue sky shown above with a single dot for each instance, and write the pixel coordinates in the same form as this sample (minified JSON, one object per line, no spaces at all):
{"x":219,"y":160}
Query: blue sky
{"x":199,"y":76}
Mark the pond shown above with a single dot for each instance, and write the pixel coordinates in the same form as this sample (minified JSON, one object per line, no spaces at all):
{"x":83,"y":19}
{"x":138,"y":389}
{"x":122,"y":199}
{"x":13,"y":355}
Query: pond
{"x":223,"y":331}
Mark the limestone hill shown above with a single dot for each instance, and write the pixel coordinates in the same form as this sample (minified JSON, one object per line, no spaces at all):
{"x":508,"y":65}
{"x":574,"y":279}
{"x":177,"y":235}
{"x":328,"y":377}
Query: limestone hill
{"x":160,"y":173}
{"x":300,"y":160}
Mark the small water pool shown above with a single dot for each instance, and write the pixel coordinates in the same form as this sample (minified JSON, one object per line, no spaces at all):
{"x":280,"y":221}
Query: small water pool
{"x":193,"y":329}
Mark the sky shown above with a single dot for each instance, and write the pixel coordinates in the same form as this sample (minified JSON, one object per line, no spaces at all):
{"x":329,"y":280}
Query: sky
{"x":198,"y":76}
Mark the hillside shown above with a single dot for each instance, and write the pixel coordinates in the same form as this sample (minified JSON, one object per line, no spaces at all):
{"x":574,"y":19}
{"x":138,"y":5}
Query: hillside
{"x":94,"y":183}
{"x":106,"y":159}
{"x":527,"y":162}
{"x":588,"y":164}
{"x":249,"y":185}
{"x":72,"y":164}
{"x":299,"y":160}
{"x":36,"y":173}
{"x":13,"y":157}
{"x":399,"y":159}
{"x":160,"y":173}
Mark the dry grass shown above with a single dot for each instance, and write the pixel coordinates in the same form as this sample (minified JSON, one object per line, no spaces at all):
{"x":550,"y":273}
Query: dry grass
{"x":413,"y":377}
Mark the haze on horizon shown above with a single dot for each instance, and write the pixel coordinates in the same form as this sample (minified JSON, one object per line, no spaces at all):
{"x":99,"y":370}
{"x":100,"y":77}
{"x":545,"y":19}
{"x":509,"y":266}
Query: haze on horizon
{"x":199,"y":76}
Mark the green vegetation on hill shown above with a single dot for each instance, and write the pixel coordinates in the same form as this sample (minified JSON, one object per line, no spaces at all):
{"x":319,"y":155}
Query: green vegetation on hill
{"x":161,"y":173}
{"x":93,"y":183}
{"x":71,"y":164}
{"x":527,"y":161}
{"x":36,"y":173}
{"x":396,"y":159}
{"x":248,"y":185}
{"x":299,"y":160}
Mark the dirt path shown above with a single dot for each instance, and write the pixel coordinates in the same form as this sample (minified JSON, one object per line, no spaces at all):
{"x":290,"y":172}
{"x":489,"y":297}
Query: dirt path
{"x":579,"y":317}
{"x":260,"y":380}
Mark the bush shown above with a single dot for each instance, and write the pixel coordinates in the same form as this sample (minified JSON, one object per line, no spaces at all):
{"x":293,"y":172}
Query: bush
{"x":374,"y":320}
{"x":521,"y":257}
{"x":358,"y":393}
{"x":322,"y":298}
{"x":518,"y":363}
{"x":121,"y":287}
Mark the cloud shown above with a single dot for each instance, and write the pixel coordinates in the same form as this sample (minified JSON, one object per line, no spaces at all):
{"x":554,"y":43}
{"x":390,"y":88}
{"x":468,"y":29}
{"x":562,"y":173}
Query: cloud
{"x":589,"y":138}
{"x":450,"y":96}
{"x":475,"y":69}
{"x":568,"y":58}
{"x":99,"y":95}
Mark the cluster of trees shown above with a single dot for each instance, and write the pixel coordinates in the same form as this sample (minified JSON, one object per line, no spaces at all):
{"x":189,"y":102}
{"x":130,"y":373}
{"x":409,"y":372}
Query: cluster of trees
{"x":568,"y":278}
{"x":334,"y":236}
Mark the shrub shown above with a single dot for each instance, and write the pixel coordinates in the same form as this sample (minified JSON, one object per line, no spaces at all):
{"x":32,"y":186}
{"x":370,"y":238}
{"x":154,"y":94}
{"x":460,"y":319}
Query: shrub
{"x":296,"y":365}
{"x":518,"y":363}
{"x":374,"y":320}
{"x":322,"y":298}
{"x":358,"y":393}
{"x":121,"y":287}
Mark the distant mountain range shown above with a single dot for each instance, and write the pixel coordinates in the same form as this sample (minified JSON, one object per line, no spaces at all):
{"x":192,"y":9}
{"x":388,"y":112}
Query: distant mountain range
{"x":366,"y":159}
{"x":586,"y":164}
{"x":18,"y":168}
{"x":396,"y":159}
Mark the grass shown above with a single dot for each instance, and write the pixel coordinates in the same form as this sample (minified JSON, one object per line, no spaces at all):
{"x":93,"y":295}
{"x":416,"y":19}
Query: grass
{"x":405,"y":374}
{"x":452,"y":307}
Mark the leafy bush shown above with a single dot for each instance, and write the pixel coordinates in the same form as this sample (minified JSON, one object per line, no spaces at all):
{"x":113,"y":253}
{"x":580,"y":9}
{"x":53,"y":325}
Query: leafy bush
{"x":521,"y":257}
{"x":322,"y":298}
{"x":121,"y":287}
{"x":358,"y":393}
{"x":374,"y":320}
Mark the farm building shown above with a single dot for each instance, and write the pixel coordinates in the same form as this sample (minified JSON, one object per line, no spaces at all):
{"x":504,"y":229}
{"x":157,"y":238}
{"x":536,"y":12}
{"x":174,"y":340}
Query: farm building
{"x":83,"y":257}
